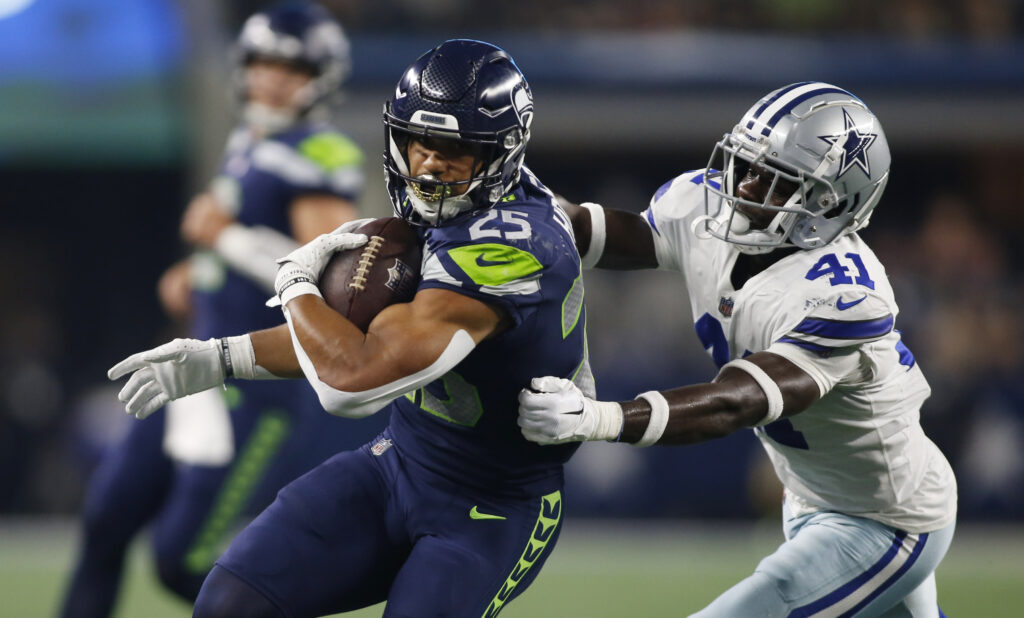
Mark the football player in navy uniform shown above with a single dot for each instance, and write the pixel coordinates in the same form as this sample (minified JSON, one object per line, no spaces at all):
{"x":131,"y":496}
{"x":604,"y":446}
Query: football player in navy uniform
{"x":287,"y":176}
{"x":797,"y":312}
{"x":450,"y":511}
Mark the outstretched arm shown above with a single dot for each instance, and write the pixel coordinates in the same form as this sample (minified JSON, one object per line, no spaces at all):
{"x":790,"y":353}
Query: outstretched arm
{"x":733,"y":400}
{"x":755,"y":391}
{"x":612,"y":239}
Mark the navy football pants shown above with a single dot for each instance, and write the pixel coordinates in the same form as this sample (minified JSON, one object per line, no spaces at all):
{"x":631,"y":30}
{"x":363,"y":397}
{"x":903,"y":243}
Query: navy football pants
{"x":280,"y":432}
{"x":362,"y":528}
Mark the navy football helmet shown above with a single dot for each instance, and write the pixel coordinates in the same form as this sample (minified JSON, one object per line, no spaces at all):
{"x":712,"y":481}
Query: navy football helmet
{"x":813,"y":136}
{"x":303,"y":35}
{"x":473,"y":94}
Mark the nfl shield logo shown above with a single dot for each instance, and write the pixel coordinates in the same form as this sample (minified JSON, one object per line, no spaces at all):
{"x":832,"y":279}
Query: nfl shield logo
{"x":379,"y":448}
{"x":398,"y":274}
{"x":725,"y":306}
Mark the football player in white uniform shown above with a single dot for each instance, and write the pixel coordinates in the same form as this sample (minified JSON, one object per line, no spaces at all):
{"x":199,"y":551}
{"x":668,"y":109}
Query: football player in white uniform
{"x":797,"y":312}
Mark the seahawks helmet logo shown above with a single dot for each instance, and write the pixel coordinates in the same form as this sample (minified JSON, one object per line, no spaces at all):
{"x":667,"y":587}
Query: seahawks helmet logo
{"x":522,"y":102}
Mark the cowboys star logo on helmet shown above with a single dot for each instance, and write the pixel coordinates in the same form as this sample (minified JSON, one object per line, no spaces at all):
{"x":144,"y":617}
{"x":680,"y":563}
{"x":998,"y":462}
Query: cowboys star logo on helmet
{"x":811,"y":139}
{"x":855,"y":148}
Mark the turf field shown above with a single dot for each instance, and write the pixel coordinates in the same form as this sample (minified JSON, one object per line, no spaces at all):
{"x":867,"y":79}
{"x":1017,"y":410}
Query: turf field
{"x":600,"y":570}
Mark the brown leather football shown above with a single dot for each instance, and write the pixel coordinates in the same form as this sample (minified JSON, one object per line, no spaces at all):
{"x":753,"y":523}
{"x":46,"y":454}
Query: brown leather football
{"x":360,"y":283}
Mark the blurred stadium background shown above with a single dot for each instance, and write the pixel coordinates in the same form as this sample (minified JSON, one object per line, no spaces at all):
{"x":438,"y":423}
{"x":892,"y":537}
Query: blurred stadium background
{"x":113,"y":112}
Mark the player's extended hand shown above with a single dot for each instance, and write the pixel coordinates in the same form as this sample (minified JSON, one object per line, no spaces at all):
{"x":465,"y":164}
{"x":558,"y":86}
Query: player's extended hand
{"x":167,"y":372}
{"x":300,"y":270}
{"x":555,"y":411}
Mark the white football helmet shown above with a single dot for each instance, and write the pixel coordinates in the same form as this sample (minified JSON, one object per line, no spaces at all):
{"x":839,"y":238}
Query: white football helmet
{"x":814,"y":135}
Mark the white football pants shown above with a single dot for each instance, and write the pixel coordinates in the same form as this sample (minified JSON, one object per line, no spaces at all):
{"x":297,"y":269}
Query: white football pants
{"x":835,"y":565}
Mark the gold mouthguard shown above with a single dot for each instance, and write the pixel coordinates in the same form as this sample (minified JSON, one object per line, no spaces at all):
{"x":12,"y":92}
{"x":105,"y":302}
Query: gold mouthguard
{"x":438,"y":191}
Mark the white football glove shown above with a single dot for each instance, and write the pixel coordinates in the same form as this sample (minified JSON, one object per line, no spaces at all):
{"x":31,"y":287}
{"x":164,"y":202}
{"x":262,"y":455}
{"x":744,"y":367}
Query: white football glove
{"x":168,"y":372}
{"x":300,"y":270}
{"x":353,"y":225}
{"x":555,"y":411}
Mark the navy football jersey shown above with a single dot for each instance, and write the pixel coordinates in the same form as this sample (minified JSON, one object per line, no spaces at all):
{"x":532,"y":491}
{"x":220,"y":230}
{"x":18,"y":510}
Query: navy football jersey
{"x":257,"y":182}
{"x":519,"y":256}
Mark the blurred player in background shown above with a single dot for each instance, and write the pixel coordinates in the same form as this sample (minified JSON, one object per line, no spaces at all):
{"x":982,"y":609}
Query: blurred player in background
{"x":450,"y":512}
{"x":797,"y":312}
{"x":286,"y":177}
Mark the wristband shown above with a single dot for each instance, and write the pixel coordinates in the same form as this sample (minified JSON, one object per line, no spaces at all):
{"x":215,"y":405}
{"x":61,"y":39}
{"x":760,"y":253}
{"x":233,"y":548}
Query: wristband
{"x":659,"y":418}
{"x":597,"y":235}
{"x":768,"y":385}
{"x":241,"y":357}
{"x":298,"y":284}
{"x":609,"y":420}
{"x":225,"y":359}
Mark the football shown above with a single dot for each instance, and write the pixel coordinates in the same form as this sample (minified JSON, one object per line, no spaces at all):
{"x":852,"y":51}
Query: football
{"x":360,"y":283}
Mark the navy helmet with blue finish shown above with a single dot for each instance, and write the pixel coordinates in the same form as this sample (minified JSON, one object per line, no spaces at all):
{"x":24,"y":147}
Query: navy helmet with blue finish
{"x":304,"y":35}
{"x":472,"y":94}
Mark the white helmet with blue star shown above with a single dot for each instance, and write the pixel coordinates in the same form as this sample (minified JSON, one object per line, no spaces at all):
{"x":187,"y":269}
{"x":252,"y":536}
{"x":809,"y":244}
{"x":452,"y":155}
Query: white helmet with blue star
{"x":814,"y":135}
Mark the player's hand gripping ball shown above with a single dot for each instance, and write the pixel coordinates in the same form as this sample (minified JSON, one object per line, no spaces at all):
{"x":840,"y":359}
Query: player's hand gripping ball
{"x":359,"y":283}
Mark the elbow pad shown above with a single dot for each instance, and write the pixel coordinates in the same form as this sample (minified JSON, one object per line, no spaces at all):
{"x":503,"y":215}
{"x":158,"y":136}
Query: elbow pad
{"x":364,"y":403}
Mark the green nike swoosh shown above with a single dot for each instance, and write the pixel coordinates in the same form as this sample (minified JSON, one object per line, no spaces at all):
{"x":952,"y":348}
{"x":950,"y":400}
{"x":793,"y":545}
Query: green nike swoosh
{"x":475,"y":514}
{"x":484,"y":262}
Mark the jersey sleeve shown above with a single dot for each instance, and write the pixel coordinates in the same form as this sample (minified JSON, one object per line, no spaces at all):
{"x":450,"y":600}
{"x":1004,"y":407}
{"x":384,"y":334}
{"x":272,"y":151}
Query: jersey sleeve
{"x":510,"y":261}
{"x":493,"y":272}
{"x":840,"y":322}
{"x":339,"y":161}
{"x":668,"y":215}
{"x":321,"y":163}
{"x":826,"y":338}
{"x":826,"y":372}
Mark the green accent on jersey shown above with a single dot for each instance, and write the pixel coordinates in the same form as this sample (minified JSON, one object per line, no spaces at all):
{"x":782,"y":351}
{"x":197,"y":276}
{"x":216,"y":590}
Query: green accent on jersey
{"x":572,"y":306}
{"x":331,"y":150}
{"x":462,"y":405}
{"x":232,"y":396}
{"x":476,"y":514}
{"x":583,"y":376}
{"x":547,"y":522}
{"x":267,"y":436}
{"x":511,"y":197}
{"x":492,"y":264}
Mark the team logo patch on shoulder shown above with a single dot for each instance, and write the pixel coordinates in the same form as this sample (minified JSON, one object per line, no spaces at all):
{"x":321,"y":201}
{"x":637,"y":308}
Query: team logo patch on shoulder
{"x":725,"y":305}
{"x":379,"y":448}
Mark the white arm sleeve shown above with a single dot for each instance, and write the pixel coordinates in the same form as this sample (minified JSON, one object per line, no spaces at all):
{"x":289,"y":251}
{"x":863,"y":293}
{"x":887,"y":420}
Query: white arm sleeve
{"x":365,"y":403}
{"x":253,"y":251}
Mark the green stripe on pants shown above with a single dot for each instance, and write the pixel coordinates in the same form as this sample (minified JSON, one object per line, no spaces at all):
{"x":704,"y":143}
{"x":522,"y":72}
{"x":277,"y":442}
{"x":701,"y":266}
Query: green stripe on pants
{"x":547,"y":523}
{"x":270,"y":431}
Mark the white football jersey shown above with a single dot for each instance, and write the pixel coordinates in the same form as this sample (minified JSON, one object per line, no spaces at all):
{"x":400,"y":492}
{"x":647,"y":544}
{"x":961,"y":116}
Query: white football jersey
{"x":859,"y":449}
